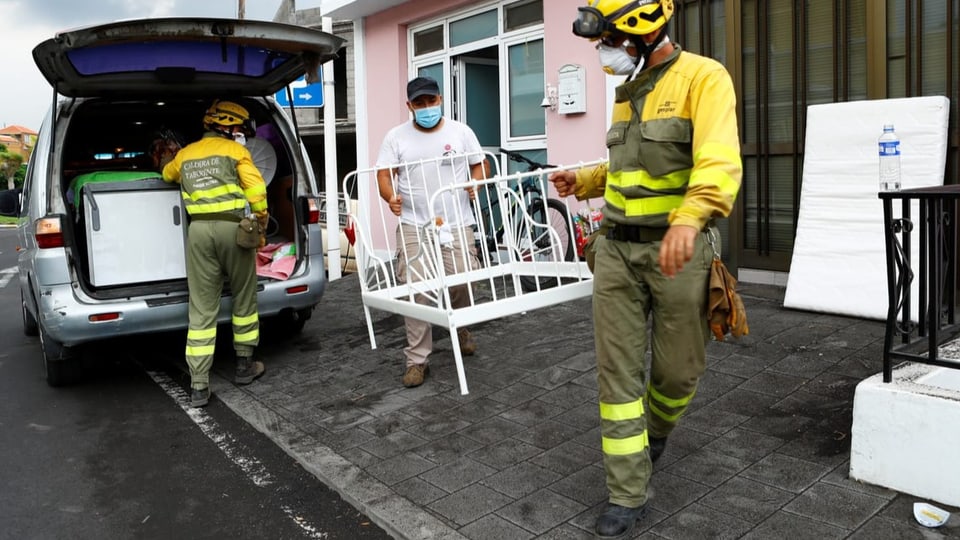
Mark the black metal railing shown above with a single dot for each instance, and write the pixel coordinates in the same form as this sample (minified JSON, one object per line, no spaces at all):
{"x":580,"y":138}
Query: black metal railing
{"x":937,"y":276}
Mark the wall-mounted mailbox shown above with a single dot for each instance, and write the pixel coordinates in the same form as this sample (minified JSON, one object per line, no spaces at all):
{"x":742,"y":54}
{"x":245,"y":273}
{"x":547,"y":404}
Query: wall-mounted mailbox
{"x":571,"y":90}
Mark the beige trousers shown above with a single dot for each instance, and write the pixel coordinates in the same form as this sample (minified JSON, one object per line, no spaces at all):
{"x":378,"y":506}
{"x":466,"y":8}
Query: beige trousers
{"x":414,"y":258}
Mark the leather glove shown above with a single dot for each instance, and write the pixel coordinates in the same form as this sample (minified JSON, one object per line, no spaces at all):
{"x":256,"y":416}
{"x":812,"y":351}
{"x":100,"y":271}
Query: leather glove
{"x":264,"y":219}
{"x":725,"y":311}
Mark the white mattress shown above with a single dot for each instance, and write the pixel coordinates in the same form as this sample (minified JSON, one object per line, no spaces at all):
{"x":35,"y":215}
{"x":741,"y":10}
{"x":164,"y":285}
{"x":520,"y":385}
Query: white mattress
{"x":839,"y":261}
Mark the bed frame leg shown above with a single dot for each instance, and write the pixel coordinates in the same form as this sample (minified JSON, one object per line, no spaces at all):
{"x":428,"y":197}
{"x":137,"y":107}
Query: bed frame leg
{"x":458,"y":358}
{"x":373,"y":339}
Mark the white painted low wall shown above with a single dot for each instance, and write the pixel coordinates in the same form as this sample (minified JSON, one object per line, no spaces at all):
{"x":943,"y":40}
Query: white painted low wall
{"x":906,"y":433}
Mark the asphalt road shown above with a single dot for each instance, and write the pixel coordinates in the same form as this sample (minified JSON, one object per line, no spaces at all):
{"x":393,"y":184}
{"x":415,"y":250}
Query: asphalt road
{"x":119,"y":456}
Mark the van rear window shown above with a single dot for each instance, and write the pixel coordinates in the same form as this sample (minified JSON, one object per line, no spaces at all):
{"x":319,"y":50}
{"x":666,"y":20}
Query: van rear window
{"x":203,"y":57}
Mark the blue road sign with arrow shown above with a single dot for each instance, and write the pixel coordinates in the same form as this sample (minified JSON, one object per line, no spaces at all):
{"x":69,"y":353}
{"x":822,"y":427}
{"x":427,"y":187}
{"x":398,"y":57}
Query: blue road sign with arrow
{"x":304,"y":95}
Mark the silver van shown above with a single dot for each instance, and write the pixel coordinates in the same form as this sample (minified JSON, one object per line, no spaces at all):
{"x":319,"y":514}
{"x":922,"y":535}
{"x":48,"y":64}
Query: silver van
{"x":101,"y":235}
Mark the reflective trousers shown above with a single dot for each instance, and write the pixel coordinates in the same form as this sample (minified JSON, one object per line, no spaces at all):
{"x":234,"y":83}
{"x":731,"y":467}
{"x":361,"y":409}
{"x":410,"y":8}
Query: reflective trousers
{"x":212,"y":253}
{"x":629,"y":289}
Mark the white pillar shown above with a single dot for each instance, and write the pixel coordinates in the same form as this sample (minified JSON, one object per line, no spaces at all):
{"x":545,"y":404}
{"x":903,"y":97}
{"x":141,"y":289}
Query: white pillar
{"x":330,"y":164}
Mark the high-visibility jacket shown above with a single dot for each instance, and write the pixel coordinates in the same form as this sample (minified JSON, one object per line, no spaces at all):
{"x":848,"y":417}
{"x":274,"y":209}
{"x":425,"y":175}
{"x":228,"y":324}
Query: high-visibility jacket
{"x":217,"y":176}
{"x":674,"y":147}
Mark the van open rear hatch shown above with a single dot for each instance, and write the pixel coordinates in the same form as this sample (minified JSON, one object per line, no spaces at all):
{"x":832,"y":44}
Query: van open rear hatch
{"x":183,"y":56}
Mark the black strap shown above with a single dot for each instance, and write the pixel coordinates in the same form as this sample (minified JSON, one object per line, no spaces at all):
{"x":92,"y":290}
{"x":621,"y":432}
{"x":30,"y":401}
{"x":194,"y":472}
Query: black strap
{"x":636,"y":233}
{"x":216,"y":217}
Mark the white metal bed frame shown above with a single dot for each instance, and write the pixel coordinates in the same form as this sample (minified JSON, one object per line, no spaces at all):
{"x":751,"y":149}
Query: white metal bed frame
{"x":501,"y":268}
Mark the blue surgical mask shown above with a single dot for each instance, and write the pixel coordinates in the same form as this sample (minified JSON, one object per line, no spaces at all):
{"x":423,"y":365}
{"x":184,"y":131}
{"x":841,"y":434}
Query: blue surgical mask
{"x":427,"y":117}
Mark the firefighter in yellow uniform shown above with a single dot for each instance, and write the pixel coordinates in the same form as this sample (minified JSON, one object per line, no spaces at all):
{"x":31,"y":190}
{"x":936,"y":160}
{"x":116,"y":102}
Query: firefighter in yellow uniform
{"x":218,"y":181}
{"x":674,"y":165}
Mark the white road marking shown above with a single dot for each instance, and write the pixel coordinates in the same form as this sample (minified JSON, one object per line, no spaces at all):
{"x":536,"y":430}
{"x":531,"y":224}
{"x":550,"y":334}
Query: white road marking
{"x":6,"y":275}
{"x":251,"y":466}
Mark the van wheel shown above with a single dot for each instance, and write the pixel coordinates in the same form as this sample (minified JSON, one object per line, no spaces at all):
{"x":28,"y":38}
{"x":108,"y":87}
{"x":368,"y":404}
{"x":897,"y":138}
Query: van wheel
{"x":60,"y":365}
{"x":29,"y":322}
{"x":292,"y":322}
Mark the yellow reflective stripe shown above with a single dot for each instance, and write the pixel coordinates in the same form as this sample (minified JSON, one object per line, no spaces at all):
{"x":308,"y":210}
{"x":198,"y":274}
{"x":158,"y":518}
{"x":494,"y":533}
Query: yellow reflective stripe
{"x":215,"y":208}
{"x":258,"y":206}
{"x":669,"y":402}
{"x":621,"y":411}
{"x":625,"y":447}
{"x":721,"y":179}
{"x":718,"y":164}
{"x":719,"y":152}
{"x":246,"y":336}
{"x":674,"y":180}
{"x":241,"y":321}
{"x":647,"y":206}
{"x":205,"y":350}
{"x":668,"y":417}
{"x":217,"y":192}
{"x":210,"y":333}
{"x":259,"y":189}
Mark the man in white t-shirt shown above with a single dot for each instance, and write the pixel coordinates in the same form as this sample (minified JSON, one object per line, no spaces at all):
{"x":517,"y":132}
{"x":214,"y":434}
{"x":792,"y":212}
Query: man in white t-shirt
{"x":422,"y":156}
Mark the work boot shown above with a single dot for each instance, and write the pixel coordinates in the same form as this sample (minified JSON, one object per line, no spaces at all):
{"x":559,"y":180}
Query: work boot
{"x":617,"y":521}
{"x":657,"y":446}
{"x":248,"y":369}
{"x":199,"y":397}
{"x":415,"y":375}
{"x":468,"y":345}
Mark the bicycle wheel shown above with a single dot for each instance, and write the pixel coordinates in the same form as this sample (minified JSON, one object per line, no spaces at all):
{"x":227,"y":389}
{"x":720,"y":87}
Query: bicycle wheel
{"x":541,"y":245}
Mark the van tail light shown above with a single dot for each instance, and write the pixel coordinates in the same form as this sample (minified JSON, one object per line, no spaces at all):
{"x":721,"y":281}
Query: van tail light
{"x":298,"y":289}
{"x":313,"y":211}
{"x":49,"y":233}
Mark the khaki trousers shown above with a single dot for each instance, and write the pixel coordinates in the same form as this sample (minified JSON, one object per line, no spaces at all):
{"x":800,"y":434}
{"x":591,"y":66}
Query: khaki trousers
{"x":629,"y":289}
{"x":414,"y":255}
{"x":212,"y":253}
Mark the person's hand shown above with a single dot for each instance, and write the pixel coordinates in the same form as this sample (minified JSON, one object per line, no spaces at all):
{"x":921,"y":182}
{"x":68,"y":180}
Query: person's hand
{"x":471,"y":192}
{"x":677,"y":248}
{"x":396,"y":204}
{"x":564,"y":181}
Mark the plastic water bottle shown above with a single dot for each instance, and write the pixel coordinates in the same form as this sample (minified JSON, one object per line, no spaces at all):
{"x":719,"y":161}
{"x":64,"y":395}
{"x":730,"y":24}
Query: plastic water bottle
{"x":889,"y":159}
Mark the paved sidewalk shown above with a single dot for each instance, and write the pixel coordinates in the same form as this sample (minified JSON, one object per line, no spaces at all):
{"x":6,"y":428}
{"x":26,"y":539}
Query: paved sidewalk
{"x":762,"y":453}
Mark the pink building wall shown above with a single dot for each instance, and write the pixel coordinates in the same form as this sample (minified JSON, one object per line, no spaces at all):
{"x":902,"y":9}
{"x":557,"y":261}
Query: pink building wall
{"x":387,"y":63}
{"x":570,"y":138}
{"x":573,"y":137}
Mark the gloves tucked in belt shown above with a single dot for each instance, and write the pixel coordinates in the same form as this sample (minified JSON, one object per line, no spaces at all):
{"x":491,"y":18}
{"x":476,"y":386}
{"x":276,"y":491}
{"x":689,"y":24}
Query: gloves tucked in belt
{"x":264,"y":219}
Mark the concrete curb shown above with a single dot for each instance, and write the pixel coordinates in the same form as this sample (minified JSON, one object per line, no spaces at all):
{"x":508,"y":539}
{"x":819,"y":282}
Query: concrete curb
{"x":395,"y":514}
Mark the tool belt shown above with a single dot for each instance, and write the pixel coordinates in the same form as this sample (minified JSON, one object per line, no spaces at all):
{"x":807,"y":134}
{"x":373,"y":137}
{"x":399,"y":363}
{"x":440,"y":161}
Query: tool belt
{"x":636,"y":233}
{"x":216,"y":217}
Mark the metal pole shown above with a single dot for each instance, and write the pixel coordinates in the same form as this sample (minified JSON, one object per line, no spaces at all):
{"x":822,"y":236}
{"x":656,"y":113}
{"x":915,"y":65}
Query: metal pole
{"x":241,"y":8}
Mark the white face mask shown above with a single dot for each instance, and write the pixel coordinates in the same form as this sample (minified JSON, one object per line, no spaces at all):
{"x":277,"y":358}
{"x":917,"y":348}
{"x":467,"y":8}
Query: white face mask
{"x":240,"y":138}
{"x":616,"y":60}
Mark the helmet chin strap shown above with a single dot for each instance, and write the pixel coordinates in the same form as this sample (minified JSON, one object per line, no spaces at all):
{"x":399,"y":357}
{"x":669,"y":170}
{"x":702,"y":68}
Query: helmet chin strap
{"x":646,"y":49}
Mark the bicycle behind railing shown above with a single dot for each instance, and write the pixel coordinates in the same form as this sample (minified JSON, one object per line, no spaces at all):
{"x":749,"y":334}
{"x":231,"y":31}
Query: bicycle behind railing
{"x":500,"y":214}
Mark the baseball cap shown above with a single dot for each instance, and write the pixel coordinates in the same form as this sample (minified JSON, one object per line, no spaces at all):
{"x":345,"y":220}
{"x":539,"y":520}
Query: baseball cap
{"x":422,"y":86}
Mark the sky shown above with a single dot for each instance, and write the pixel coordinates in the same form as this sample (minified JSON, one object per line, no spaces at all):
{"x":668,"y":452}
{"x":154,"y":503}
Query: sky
{"x":25,"y":95}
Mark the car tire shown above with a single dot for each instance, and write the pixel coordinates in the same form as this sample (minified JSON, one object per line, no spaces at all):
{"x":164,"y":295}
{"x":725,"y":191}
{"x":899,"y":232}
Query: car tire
{"x":61,"y":365}
{"x":30,"y":327}
{"x":292,"y":322}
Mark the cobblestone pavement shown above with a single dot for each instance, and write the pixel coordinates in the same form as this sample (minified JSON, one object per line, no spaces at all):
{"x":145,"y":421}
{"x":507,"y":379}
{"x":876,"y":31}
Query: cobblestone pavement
{"x":762,"y":453}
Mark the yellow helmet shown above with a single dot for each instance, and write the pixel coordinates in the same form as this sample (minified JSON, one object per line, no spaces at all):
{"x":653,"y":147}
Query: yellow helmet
{"x":638,"y":17}
{"x":226,"y":114}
